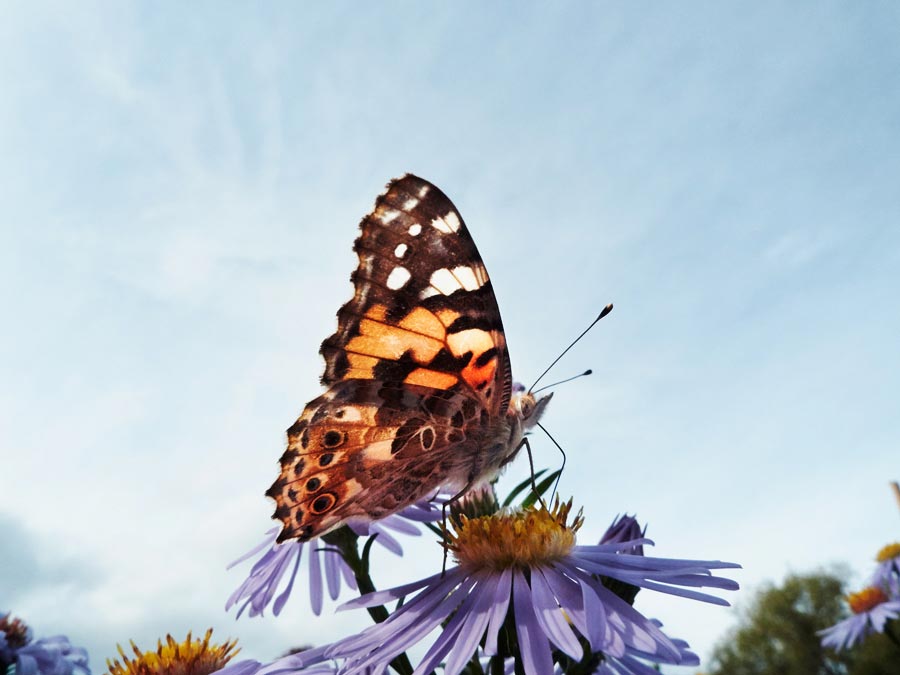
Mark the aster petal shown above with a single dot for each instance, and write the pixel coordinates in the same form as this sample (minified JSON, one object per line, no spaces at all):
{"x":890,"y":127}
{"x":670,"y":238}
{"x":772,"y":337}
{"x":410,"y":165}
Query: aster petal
{"x":425,"y":511}
{"x":268,"y":541}
{"x":498,"y":611}
{"x":347,"y":574}
{"x":641,"y":571}
{"x":384,"y":538}
{"x":602,"y":554}
{"x":293,"y":662}
{"x":685,"y":593}
{"x":486,"y":594}
{"x":533,"y":644}
{"x":26,"y":664}
{"x":332,"y":563}
{"x":550,"y":616}
{"x":636,"y":630}
{"x":413,"y":621}
{"x":571,"y":597}
{"x":381,"y":597}
{"x":881,"y":614}
{"x":316,"y":594}
{"x":281,"y":599}
{"x":53,"y":655}
{"x":262,"y":583}
{"x":402,"y":526}
{"x":470,"y":619}
{"x":628,"y":665}
{"x":245,"y":667}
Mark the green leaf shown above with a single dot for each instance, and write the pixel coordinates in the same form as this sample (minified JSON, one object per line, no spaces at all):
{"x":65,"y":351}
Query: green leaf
{"x":542,"y":487}
{"x":525,"y":484}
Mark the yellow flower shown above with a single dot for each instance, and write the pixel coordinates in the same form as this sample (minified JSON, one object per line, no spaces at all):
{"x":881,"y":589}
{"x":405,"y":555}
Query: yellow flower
{"x":519,"y":538}
{"x":889,"y":552}
{"x":191,"y":657}
{"x":866,"y":599}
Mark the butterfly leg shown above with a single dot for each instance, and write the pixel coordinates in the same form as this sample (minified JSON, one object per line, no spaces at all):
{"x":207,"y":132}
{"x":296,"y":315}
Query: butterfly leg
{"x":457,"y":496}
{"x":534,"y":489}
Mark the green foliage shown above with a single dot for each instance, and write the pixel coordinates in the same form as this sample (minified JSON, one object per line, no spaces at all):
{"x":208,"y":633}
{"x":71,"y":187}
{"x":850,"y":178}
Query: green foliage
{"x":776,"y":634}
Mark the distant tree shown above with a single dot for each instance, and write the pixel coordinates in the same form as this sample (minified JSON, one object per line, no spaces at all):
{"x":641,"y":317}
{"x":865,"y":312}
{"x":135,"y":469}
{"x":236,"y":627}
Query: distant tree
{"x":776,"y":634}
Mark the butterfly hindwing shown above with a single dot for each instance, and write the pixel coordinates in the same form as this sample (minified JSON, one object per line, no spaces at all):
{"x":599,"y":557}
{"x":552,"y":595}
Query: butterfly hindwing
{"x":366,"y":449}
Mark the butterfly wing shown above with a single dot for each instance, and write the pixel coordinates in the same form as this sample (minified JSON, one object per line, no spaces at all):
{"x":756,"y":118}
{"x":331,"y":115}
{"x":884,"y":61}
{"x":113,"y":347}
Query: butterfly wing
{"x":424,"y":310}
{"x":418,"y":372}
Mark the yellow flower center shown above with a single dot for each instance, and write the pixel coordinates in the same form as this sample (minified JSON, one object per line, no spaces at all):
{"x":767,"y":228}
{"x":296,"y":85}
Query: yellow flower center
{"x":526,"y":538}
{"x":866,"y":599}
{"x":191,"y":657}
{"x":15,"y":630}
{"x":888,"y":552}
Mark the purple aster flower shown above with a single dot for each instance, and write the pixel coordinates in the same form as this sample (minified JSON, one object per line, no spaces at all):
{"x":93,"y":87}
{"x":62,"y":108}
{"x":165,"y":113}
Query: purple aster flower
{"x":624,"y":528}
{"x":524,"y":567}
{"x":281,"y":562}
{"x":872,"y":609}
{"x":45,"y":656}
{"x":887,"y":573}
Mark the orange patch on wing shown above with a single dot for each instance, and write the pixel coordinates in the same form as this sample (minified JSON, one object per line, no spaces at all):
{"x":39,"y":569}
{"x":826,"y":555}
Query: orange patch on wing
{"x":475,"y":376}
{"x":385,"y":341}
{"x":447,"y":316}
{"x":431,"y":378}
{"x":425,"y":322}
{"x":361,"y":367}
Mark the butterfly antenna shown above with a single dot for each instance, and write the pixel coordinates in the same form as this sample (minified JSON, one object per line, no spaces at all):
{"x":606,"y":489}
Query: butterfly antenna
{"x":606,"y":310}
{"x":568,"y":379}
{"x":562,"y":452}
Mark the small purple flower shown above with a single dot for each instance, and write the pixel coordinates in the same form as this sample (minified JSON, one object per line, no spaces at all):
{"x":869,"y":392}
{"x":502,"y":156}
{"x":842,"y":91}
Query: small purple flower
{"x":281,"y":562}
{"x":624,"y":528}
{"x":45,"y":656}
{"x":887,"y":573}
{"x":526,"y":564}
{"x":872,"y":609}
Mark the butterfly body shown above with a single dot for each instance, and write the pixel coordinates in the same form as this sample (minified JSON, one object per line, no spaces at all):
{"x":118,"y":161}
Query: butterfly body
{"x":419,"y":391}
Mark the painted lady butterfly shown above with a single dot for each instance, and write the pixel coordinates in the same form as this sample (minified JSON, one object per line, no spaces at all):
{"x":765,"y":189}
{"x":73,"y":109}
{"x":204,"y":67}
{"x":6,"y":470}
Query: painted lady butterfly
{"x":420,"y":392}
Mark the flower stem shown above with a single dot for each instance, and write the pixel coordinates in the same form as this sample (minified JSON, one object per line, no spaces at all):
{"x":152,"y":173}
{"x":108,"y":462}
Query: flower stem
{"x":346,"y":540}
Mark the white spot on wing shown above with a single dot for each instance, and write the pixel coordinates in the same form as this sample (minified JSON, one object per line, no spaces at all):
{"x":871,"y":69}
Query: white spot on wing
{"x":423,"y":191}
{"x":444,"y":281}
{"x":467,"y":277}
{"x":463,"y":277}
{"x":350,"y":414}
{"x":367,"y":270}
{"x":428,"y":291}
{"x":397,"y":278}
{"x":400,"y":251}
{"x":415,"y":229}
{"x":388,"y":216}
{"x":410,"y":204}
{"x":378,"y":451}
{"x":448,"y":224}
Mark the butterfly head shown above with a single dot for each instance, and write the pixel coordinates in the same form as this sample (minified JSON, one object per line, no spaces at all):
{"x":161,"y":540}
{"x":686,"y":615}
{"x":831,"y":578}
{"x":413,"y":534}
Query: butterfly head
{"x":527,"y":407}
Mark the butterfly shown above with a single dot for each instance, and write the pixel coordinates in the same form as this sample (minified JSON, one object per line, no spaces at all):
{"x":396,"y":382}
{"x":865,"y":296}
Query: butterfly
{"x":419,"y":387}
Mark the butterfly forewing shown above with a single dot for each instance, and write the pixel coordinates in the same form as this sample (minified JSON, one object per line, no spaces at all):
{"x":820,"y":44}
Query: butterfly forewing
{"x":417,"y":373}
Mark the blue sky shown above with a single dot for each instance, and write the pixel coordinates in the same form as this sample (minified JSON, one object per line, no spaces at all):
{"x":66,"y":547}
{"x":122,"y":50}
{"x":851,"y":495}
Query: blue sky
{"x":180,"y":188}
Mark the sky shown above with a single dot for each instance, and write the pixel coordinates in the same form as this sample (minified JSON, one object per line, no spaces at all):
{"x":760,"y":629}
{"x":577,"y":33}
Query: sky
{"x":180,"y":187}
